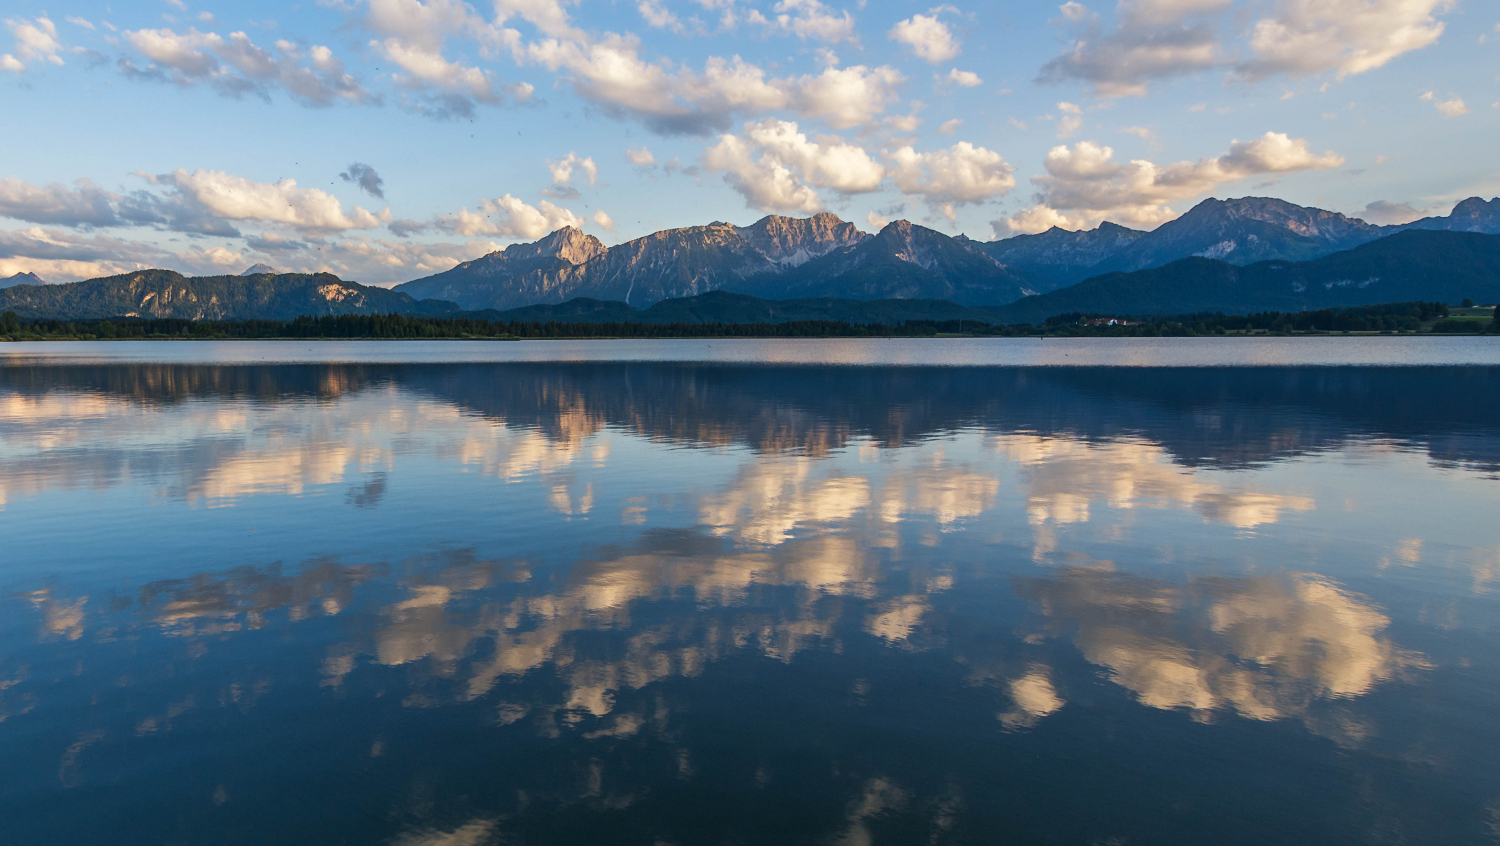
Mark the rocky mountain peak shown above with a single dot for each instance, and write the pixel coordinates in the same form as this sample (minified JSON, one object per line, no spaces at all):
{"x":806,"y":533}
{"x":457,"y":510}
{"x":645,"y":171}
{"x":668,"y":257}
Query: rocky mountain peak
{"x":25,"y":277}
{"x":569,"y":243}
{"x":1307,"y":222}
{"x":256,"y":269}
{"x":793,"y":241}
{"x":1477,"y":210}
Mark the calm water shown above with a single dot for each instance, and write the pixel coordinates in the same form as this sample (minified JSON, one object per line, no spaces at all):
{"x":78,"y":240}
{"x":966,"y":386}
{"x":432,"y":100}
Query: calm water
{"x":779,"y":593}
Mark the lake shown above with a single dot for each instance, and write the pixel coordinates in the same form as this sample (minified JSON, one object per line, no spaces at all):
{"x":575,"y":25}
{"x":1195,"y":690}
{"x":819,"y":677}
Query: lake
{"x":1238,"y":591}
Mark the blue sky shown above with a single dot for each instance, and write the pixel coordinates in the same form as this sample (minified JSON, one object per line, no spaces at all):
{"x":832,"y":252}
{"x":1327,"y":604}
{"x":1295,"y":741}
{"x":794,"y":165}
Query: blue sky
{"x":389,"y":139}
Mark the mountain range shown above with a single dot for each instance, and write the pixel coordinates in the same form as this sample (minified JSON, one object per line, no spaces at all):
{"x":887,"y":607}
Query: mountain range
{"x":1425,"y":265}
{"x":1415,"y":265}
{"x":165,"y":293}
{"x":775,"y":257}
{"x":1222,"y":255}
{"x":823,"y":256}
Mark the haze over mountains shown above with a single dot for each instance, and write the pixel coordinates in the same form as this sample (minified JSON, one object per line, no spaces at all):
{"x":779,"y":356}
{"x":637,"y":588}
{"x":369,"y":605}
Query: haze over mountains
{"x":1233,"y":255}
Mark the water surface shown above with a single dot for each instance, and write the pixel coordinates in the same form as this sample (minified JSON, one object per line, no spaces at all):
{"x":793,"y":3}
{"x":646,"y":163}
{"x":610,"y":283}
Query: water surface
{"x":836,"y":592}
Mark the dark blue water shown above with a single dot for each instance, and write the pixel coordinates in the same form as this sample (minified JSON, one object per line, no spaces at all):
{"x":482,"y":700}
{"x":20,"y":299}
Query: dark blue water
{"x":742,"y":602}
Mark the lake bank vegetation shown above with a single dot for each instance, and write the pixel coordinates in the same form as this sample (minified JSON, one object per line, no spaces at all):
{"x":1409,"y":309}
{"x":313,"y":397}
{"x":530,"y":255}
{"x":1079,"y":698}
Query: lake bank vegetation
{"x":1392,"y":318}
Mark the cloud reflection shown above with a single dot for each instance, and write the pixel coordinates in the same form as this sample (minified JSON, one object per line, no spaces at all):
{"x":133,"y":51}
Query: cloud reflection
{"x":1265,"y":648}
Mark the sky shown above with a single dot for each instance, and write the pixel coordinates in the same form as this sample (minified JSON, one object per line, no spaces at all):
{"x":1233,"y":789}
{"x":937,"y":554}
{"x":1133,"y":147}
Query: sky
{"x":386,"y":140}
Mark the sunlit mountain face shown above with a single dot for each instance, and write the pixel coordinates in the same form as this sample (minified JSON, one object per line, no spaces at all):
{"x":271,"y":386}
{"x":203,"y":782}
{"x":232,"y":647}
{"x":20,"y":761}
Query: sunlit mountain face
{"x":679,"y":603}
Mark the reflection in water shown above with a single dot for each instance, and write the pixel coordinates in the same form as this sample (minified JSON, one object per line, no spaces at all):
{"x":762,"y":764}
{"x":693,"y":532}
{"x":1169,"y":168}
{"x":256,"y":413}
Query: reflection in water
{"x":634,"y":603}
{"x":1263,"y":647}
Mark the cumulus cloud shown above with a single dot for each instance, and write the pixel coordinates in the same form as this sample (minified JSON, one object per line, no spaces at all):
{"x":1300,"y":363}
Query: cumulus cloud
{"x":847,"y":97}
{"x":657,"y":15}
{"x":445,"y":89}
{"x":808,"y":19}
{"x":36,"y":41}
{"x":641,"y":157}
{"x":926,"y":37}
{"x":967,"y":79}
{"x":230,"y":197}
{"x":508,"y":217}
{"x":61,"y":256}
{"x":1348,"y":36}
{"x":563,"y":170}
{"x":235,"y":66}
{"x":959,"y":175}
{"x":84,"y":204}
{"x":1083,"y":184}
{"x":603,"y":221}
{"x":366,"y":178}
{"x":1124,"y":62}
{"x":949,"y":127}
{"x":1387,"y":213}
{"x":1159,"y":39}
{"x":775,"y":167}
{"x":1071,"y":120}
{"x":610,"y":73}
{"x":1452,"y":107}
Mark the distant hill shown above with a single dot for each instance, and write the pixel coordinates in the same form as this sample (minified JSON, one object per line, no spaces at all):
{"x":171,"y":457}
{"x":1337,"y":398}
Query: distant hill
{"x":165,"y":293}
{"x":257,"y":269}
{"x":1407,"y":266}
{"x":22,"y":278}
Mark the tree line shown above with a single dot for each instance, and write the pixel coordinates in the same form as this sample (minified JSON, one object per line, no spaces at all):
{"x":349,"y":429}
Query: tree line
{"x":1387,"y":318}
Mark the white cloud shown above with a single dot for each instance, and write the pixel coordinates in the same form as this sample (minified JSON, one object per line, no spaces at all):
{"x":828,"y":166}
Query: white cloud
{"x":1351,"y":36}
{"x":1071,"y":120}
{"x":926,"y":37}
{"x":967,"y":79}
{"x":1085,"y":181}
{"x":455,"y":87}
{"x":36,"y":41}
{"x":86,"y":204}
{"x":808,"y":19}
{"x":777,"y":168}
{"x":1074,"y":11}
{"x":959,"y":175}
{"x":876,"y":221}
{"x":563,"y":170}
{"x":846,"y":98}
{"x":656,"y":14}
{"x":1452,"y":107}
{"x":641,"y":157}
{"x":77,"y":21}
{"x":235,"y":66}
{"x":236,"y":198}
{"x":508,"y":217}
{"x":603,"y":221}
{"x":948,"y":127}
